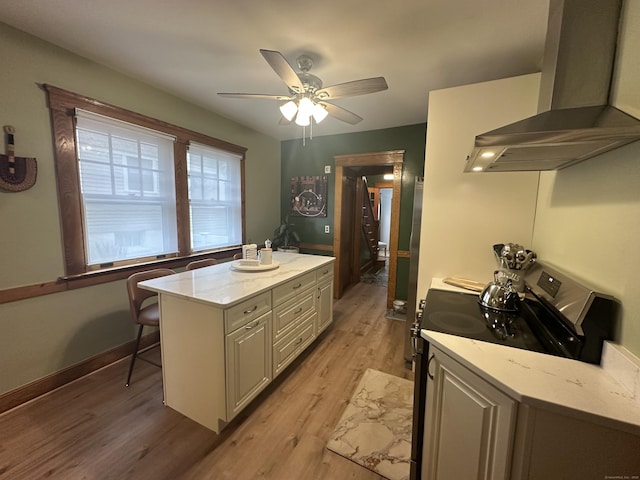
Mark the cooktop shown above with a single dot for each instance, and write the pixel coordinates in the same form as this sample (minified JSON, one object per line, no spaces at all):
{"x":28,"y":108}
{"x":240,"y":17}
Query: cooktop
{"x":460,"y":314}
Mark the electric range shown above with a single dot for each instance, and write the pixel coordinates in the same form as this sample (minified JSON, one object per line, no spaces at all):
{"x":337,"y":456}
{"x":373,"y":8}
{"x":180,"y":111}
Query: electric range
{"x":557,"y":315}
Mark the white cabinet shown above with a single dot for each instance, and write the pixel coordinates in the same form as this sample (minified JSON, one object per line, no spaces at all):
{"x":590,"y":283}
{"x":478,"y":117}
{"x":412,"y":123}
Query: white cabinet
{"x":248,"y":351}
{"x":550,"y":444}
{"x":294,"y":320}
{"x":293,"y":344}
{"x":246,"y":311}
{"x":287,"y":314}
{"x":324,"y":298}
{"x":469,"y":424}
{"x":217,"y":359}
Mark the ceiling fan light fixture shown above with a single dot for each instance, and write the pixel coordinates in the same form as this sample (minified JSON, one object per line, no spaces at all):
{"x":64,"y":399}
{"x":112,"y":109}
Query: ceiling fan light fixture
{"x":302,"y":120}
{"x":305,"y":107}
{"x":289,"y":110}
{"x":319,"y":112}
{"x":308,"y":100}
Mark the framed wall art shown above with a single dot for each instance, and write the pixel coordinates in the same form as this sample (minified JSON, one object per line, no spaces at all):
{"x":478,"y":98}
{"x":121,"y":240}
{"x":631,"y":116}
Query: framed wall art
{"x":309,"y":196}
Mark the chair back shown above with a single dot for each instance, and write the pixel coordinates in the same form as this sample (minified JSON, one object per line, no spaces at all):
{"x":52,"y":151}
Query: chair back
{"x":205,"y":262}
{"x":138,"y":295}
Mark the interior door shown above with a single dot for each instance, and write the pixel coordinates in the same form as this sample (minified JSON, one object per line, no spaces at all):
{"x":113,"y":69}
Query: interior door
{"x":347,"y":239}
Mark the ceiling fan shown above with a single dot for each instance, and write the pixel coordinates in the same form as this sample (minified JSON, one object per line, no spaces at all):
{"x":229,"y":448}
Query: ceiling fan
{"x":307,"y":98}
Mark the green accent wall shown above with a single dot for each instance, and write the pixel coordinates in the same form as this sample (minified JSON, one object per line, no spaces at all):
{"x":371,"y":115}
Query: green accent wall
{"x":310,"y":159}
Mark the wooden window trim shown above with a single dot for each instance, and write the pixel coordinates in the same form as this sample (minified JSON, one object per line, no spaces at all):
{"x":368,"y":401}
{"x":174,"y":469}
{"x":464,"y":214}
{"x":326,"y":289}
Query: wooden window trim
{"x":62,"y":105}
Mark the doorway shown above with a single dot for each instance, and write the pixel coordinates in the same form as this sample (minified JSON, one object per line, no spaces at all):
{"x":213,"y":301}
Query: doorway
{"x":346,"y":240}
{"x":384,"y":209}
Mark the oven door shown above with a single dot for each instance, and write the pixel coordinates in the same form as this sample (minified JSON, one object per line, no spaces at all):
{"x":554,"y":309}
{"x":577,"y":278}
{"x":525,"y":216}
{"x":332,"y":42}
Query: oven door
{"x":419,"y":399}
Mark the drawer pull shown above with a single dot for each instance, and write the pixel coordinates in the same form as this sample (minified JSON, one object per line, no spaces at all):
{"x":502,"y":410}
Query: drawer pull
{"x":428,"y":364}
{"x":299,"y":341}
{"x":297,"y":286}
{"x":247,"y":312}
{"x":252,"y":325}
{"x":298,"y":311}
{"x":319,"y":293}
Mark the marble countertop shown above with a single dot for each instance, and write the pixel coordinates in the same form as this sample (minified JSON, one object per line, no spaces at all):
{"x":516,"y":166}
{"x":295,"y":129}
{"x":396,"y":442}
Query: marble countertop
{"x":566,"y":386}
{"x":593,"y":393}
{"x":221,"y":286}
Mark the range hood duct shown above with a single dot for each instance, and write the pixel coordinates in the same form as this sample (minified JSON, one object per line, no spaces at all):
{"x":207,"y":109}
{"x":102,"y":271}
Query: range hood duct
{"x":576,"y":120}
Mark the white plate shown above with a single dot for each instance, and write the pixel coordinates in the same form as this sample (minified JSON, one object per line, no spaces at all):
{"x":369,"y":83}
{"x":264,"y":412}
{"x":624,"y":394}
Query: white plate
{"x":238,"y":265}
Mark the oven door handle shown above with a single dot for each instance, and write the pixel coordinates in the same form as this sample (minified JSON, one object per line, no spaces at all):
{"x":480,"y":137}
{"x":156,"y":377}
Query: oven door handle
{"x":428,"y":364}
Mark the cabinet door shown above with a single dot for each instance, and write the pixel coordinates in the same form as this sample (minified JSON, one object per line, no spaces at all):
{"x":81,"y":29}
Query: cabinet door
{"x":325,"y":305}
{"x":469,"y":424}
{"x":248,"y":363}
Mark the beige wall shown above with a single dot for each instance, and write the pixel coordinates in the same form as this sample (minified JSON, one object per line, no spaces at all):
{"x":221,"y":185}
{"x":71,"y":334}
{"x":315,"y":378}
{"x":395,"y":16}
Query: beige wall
{"x":464,"y":214}
{"x":42,"y":335}
{"x":588,"y":215}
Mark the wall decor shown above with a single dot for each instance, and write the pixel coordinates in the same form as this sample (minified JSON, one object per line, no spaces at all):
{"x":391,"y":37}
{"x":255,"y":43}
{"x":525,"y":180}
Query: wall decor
{"x":309,"y":196}
{"x":16,"y":173}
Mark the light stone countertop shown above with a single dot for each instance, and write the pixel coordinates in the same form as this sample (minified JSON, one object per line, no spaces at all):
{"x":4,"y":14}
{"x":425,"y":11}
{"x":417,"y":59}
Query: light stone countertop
{"x":221,"y":286}
{"x":582,"y":390}
{"x":566,"y":386}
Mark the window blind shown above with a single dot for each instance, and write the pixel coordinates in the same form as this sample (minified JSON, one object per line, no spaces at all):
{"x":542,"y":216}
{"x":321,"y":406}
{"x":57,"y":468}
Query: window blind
{"x":215,"y":197}
{"x":128,"y":190}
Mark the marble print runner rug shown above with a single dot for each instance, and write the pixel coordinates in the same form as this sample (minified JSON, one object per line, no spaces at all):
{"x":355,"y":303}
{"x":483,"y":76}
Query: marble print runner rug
{"x":375,"y":428}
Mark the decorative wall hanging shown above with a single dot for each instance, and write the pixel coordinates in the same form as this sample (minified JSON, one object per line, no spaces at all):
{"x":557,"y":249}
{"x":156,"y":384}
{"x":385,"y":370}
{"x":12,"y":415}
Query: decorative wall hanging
{"x":309,"y":196}
{"x":16,"y":173}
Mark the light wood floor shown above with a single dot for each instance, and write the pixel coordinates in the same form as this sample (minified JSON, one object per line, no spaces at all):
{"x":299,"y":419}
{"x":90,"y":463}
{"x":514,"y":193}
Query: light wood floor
{"x":95,"y":428}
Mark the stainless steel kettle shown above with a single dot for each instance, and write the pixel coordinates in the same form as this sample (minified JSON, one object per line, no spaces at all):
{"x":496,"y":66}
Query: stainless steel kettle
{"x":500,"y":296}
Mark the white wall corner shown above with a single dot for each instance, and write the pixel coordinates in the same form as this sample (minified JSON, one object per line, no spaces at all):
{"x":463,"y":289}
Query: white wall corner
{"x":623,"y":366}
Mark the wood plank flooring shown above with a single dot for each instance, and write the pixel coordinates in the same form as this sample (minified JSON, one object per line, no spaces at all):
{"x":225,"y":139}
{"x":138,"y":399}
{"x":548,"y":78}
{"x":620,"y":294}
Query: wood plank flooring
{"x":96,"y":428}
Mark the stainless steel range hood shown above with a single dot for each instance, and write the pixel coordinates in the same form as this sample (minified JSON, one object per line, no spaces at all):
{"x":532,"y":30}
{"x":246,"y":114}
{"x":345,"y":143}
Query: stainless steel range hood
{"x":576,"y":121}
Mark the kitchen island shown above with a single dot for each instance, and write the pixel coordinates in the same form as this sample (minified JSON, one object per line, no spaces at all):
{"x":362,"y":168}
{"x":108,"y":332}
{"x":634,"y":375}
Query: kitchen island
{"x":226,"y":334}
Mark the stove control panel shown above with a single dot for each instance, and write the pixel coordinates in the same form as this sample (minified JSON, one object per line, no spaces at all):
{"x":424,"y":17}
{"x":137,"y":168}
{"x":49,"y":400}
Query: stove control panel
{"x":549,"y":284}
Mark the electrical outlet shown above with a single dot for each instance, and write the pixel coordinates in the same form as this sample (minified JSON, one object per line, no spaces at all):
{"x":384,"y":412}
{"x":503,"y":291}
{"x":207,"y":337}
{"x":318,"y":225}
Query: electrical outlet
{"x":327,"y":169}
{"x":326,"y":229}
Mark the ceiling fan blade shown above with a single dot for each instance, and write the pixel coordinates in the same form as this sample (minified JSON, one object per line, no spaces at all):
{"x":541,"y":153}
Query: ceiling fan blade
{"x":256,"y":96}
{"x":284,"y":70}
{"x":341,"y":113}
{"x":350,"y":89}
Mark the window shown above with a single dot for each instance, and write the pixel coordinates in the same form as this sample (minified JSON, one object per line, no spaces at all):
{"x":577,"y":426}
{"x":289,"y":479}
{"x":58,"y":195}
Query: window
{"x":128,"y":191}
{"x":214,"y":197}
{"x":133,"y":189}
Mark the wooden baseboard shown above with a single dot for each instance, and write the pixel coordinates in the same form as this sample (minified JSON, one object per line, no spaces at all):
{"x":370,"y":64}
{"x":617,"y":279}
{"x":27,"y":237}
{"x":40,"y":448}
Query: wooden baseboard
{"x":55,"y":380}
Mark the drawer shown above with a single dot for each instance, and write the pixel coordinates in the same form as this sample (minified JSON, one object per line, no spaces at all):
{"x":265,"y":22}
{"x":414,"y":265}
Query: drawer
{"x":290,"y":289}
{"x":237,"y":316}
{"x":288,"y":349}
{"x":286,"y":314}
{"x":324,"y":274}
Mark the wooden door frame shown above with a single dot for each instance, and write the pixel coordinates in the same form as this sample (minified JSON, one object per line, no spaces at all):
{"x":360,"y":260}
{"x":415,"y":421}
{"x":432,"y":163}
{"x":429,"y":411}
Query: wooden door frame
{"x":392,"y":158}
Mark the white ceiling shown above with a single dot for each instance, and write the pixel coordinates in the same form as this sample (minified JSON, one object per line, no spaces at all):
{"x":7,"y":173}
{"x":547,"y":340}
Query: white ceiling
{"x":196,"y":48}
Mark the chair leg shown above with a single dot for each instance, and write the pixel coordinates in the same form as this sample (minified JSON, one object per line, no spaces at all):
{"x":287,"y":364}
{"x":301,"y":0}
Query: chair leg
{"x":135,"y":354}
